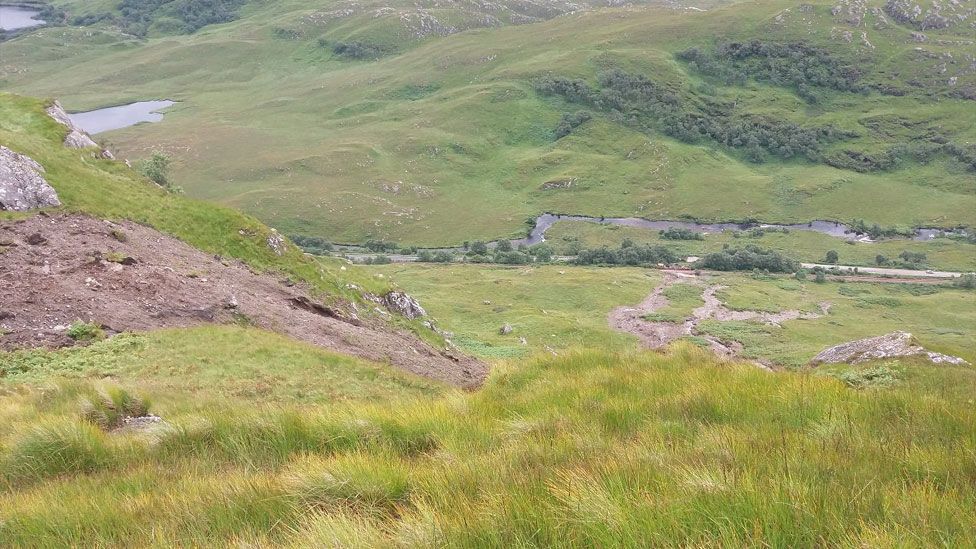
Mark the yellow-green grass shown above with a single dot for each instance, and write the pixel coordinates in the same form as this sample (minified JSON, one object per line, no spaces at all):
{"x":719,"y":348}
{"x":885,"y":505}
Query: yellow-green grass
{"x":942,"y":319}
{"x":586,"y":449}
{"x":805,"y":246}
{"x":556,"y":311}
{"x":553,"y":307}
{"x":682,"y":299}
{"x":315,"y":145}
{"x":219,"y":362}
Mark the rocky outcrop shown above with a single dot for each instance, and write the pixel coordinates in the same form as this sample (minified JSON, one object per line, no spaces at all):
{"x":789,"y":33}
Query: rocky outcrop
{"x":77,"y":138}
{"x":893,"y":345}
{"x":21,"y":186}
{"x":403,"y":304}
{"x":276,"y":242}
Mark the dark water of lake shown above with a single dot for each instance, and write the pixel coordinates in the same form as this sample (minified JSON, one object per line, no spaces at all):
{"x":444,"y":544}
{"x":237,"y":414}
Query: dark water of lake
{"x":122,"y":116}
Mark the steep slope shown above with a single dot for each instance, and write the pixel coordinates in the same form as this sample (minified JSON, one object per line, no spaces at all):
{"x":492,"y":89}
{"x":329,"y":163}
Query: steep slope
{"x":586,"y":449}
{"x":396,"y":145}
{"x":59,"y":269}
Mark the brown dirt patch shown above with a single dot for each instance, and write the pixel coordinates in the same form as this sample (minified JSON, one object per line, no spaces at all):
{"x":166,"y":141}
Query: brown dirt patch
{"x":77,"y":270}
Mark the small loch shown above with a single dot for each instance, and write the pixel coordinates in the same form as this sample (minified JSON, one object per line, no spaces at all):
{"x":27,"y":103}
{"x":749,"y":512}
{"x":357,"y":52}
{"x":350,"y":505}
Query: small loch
{"x":17,"y":18}
{"x":122,"y":116}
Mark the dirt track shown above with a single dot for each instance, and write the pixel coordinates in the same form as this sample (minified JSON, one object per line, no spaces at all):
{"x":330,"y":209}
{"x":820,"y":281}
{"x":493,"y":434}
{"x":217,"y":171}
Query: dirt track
{"x":656,"y":335}
{"x":56,"y":270}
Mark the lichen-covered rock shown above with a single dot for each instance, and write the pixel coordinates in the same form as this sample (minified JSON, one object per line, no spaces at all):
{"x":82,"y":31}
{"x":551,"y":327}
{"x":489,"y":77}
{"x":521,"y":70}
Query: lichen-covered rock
{"x":403,"y":304}
{"x":893,"y":345}
{"x":21,"y":186}
{"x":76,"y":138}
{"x":276,"y":242}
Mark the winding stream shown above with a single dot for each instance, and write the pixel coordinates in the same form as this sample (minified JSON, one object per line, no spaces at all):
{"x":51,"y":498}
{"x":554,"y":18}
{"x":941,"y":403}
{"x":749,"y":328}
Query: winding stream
{"x":122,"y":116}
{"x":830,"y":228}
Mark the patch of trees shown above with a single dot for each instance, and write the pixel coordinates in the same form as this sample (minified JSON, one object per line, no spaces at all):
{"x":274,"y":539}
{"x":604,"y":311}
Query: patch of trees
{"x":506,"y":254}
{"x":905,"y":260}
{"x":638,"y":102}
{"x":791,"y":65}
{"x":137,"y":16}
{"x":677,"y":233}
{"x":628,"y":254}
{"x":749,"y":258}
{"x":875,"y":231}
{"x":312,"y":244}
{"x":569,"y":122}
{"x":439,"y":256}
{"x":357,"y":50}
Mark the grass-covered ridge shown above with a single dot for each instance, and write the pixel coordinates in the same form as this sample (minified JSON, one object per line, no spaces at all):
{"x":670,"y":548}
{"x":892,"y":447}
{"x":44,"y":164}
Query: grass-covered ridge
{"x":590,"y":448}
{"x":385,"y":148}
{"x":110,"y":190}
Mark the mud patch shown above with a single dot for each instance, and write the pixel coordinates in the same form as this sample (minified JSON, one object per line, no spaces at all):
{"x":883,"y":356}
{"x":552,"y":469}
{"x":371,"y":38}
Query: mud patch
{"x":68,"y":274}
{"x":656,"y":335}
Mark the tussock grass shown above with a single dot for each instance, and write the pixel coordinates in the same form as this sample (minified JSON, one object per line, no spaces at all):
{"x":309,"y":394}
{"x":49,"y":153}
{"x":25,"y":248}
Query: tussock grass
{"x":586,"y":449}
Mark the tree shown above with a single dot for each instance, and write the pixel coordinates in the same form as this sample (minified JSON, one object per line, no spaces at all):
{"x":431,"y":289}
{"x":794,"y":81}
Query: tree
{"x":478,"y":248}
{"x":503,"y":246}
{"x":157,"y":169}
{"x":542,"y":252}
{"x":832,"y":257}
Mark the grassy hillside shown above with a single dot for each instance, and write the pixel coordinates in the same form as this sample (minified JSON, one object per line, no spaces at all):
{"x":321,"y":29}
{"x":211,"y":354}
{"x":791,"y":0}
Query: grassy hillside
{"x":397,"y":145}
{"x":556,"y":308}
{"x":587,"y":449}
{"x":207,"y":362}
{"x":108,"y":189}
{"x":809,"y":247}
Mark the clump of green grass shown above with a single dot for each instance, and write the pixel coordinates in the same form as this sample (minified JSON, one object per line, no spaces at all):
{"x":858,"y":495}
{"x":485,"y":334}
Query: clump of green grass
{"x":682,"y":300}
{"x":109,"y":407}
{"x":85,"y":332}
{"x":876,"y":377}
{"x":53,"y":448}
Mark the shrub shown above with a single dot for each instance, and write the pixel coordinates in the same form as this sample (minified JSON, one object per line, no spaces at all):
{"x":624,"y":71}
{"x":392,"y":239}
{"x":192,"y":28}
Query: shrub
{"x":85,"y":331}
{"x":570,"y":122}
{"x":749,"y":258}
{"x":877,"y":377}
{"x":676,"y":233}
{"x":156,"y":168}
{"x":478,"y":248}
{"x":832,"y":257}
{"x":632,"y":255}
{"x":966,"y":281}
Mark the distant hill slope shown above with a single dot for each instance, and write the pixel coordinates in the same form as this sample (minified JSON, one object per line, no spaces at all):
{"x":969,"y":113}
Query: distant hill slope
{"x":60,"y":270}
{"x":339,"y":121}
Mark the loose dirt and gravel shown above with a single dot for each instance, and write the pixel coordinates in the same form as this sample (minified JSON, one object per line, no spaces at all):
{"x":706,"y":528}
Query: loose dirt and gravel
{"x":60,"y":269}
{"x":658,"y":334}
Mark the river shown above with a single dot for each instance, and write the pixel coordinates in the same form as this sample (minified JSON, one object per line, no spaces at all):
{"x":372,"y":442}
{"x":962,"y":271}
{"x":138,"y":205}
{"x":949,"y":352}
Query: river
{"x":830,"y":228}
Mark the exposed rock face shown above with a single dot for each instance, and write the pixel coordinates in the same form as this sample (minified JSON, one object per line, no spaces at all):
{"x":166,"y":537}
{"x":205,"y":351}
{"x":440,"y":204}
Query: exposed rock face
{"x":404,"y":304}
{"x":76,"y":139}
{"x":893,"y":345}
{"x":21,"y":186}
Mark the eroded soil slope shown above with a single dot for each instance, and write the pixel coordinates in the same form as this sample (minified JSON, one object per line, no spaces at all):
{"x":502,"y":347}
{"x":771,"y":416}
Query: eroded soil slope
{"x":127,"y":277}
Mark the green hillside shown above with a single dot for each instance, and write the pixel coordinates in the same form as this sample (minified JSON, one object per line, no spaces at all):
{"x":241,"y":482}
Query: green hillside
{"x":875,"y":125}
{"x":169,"y":378}
{"x":585,"y":449}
